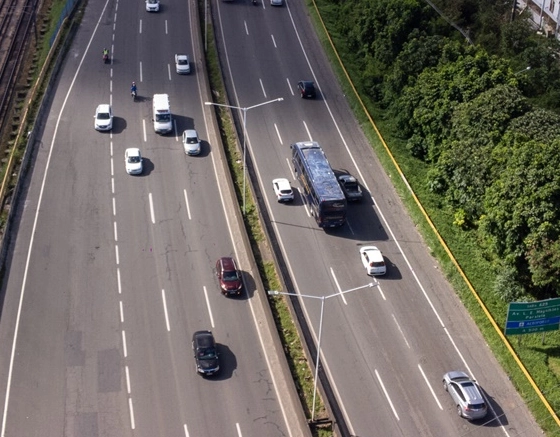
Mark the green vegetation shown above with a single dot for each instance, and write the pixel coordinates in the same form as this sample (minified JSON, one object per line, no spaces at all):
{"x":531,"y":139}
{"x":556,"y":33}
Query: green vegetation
{"x":476,"y":135}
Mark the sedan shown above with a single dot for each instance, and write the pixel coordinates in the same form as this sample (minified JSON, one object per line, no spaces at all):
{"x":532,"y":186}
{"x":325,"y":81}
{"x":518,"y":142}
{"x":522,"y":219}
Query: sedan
{"x":205,"y":353}
{"x":306,"y":89}
{"x":373,"y":261}
{"x":182,"y":64}
{"x":191,"y":142}
{"x":103,"y":118}
{"x":283,"y":190}
{"x":133,"y":161}
{"x":152,"y":5}
{"x":466,"y":394}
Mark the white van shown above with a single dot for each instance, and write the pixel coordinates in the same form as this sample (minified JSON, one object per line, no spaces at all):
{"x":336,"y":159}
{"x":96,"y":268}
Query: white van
{"x":162,"y":114}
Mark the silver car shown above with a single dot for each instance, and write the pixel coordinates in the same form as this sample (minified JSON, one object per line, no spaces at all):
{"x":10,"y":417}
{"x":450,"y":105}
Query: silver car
{"x":276,"y":2}
{"x":466,"y":395}
{"x":191,"y":142}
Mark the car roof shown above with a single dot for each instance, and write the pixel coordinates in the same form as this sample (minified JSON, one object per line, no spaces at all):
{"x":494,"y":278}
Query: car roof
{"x":281,"y":181}
{"x":228,"y":263}
{"x":347,"y":178}
{"x":203,"y":338}
{"x":133,"y":151}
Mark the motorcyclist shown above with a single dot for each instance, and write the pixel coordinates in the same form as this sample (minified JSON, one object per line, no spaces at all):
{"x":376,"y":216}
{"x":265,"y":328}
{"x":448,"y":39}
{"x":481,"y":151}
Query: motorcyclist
{"x":105,"y":53}
{"x":133,"y":88}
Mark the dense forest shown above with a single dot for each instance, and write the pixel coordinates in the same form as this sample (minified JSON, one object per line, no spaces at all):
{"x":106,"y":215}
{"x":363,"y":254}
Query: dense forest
{"x":454,"y":76}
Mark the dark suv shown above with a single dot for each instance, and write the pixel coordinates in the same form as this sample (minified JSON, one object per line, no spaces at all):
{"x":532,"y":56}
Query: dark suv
{"x":205,"y":353}
{"x":229,"y":276}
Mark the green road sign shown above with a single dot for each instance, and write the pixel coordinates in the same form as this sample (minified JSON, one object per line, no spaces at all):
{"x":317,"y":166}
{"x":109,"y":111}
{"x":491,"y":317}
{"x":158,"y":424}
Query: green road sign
{"x":531,"y":317}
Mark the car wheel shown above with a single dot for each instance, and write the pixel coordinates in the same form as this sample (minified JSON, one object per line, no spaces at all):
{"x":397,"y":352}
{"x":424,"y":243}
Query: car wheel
{"x":445,"y":385}
{"x":459,"y":411}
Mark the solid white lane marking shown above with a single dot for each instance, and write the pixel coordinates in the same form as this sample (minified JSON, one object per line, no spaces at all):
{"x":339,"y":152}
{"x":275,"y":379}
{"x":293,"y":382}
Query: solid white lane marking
{"x":429,"y":386}
{"x":187,"y":203}
{"x":132,"y":424}
{"x":186,"y":430}
{"x":290,"y":86}
{"x":278,"y":133}
{"x":307,"y":130}
{"x":152,"y":209}
{"x":125,"y":349}
{"x":386,"y":394}
{"x":208,"y":305}
{"x":338,"y":287}
{"x":127,"y":379}
{"x":165,"y":310}
{"x":400,"y":330}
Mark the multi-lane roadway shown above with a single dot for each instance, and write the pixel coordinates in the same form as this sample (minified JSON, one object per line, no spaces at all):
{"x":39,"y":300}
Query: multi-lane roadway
{"x":110,"y":274}
{"x":385,"y":349}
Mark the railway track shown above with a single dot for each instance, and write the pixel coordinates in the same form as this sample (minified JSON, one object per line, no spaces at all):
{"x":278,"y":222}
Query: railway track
{"x":17,"y":18}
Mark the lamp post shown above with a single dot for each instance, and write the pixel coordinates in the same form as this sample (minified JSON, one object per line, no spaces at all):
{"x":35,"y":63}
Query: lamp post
{"x":525,"y":70}
{"x":244,"y":110}
{"x":322,"y":299}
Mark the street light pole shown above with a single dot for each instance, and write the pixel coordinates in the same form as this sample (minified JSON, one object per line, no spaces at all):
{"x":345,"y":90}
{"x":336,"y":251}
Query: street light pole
{"x":244,"y":110}
{"x":322,"y":298}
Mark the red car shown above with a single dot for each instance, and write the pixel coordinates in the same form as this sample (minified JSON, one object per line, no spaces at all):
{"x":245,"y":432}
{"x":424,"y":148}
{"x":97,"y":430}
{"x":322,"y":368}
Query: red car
{"x":231,"y":282}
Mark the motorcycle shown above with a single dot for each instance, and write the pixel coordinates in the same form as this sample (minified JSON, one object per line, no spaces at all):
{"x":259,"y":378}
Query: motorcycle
{"x":105,"y":58}
{"x":133,"y":94}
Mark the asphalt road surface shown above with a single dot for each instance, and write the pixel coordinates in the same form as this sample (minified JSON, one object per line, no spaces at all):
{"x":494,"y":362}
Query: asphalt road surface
{"x":111,"y":274}
{"x":385,"y":348}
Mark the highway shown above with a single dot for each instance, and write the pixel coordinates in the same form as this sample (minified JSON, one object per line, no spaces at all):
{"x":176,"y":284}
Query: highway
{"x":386,"y":348}
{"x":110,"y":274}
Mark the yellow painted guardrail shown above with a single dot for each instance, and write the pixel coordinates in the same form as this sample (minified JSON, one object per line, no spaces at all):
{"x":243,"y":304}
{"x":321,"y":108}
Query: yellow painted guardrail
{"x":439,"y":237}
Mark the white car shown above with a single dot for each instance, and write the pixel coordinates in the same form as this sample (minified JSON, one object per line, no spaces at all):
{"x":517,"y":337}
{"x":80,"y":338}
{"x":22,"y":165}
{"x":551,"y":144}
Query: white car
{"x":103,"y":117}
{"x":283,"y":190}
{"x":133,"y":161}
{"x":182,"y":64}
{"x":152,"y":5}
{"x":191,"y":142}
{"x":373,"y":261}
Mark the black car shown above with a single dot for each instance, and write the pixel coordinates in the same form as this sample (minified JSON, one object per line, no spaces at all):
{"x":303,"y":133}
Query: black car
{"x":350,"y":188}
{"x":205,"y":353}
{"x":307,"y":89}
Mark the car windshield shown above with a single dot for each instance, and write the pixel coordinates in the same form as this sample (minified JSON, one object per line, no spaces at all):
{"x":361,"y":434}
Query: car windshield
{"x":207,"y":354}
{"x":133,"y":159}
{"x":230,"y":276}
{"x":103,"y":116}
{"x":163,"y":117}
